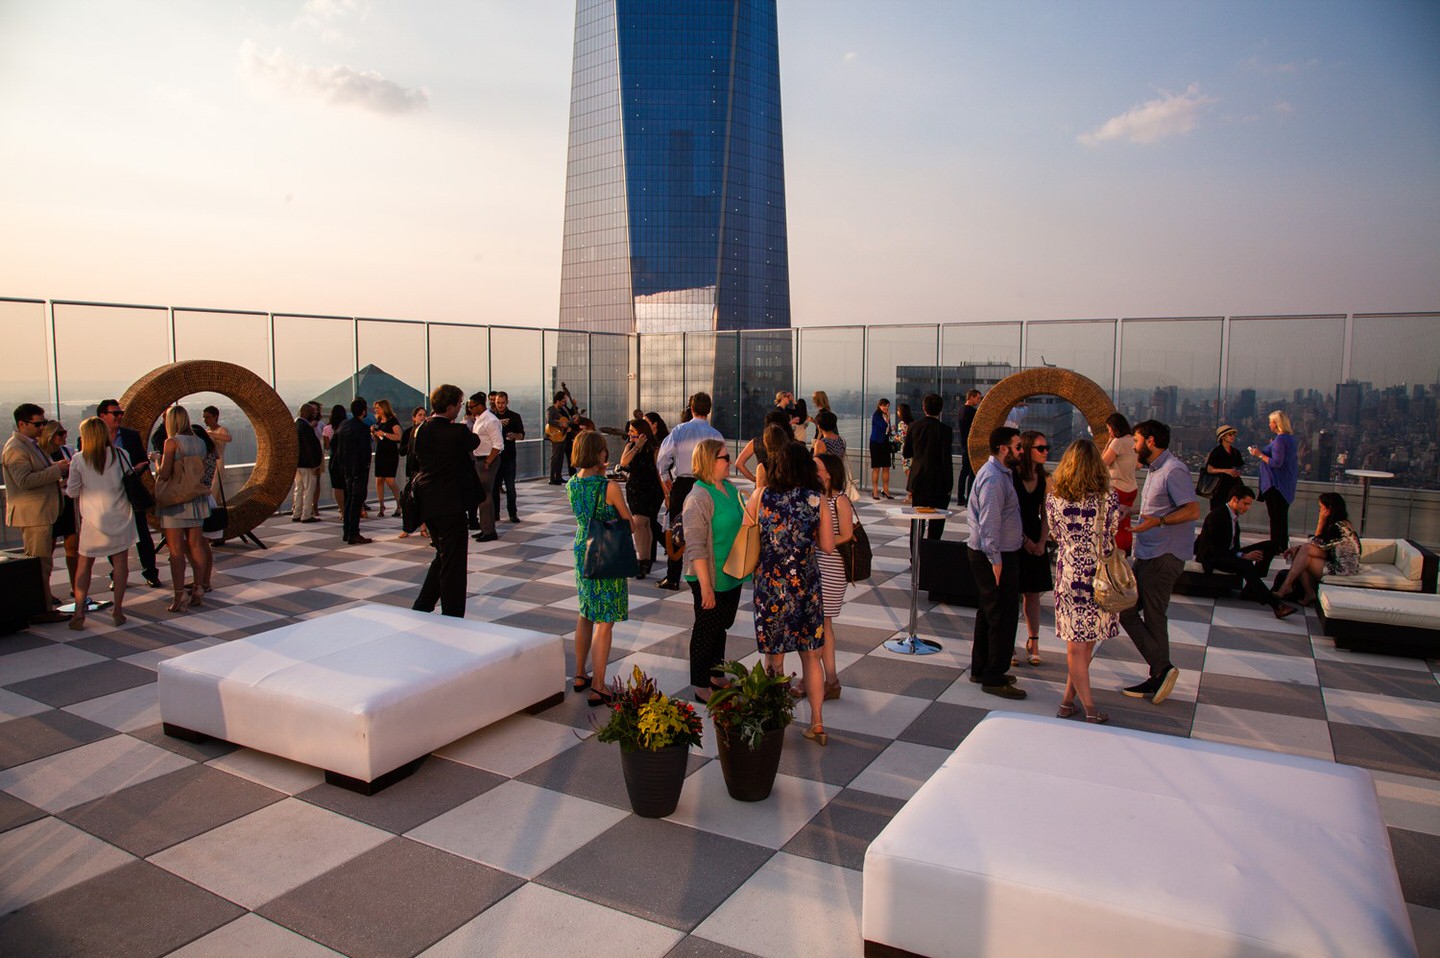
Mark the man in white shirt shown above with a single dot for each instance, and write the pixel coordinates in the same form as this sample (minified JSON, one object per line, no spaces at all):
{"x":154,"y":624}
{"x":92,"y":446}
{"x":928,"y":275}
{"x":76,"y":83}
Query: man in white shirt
{"x":486,"y":425}
{"x":674,"y":458}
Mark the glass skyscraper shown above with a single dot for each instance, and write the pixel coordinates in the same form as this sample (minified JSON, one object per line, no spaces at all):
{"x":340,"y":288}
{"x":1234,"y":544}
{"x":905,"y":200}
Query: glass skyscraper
{"x":675,"y":190}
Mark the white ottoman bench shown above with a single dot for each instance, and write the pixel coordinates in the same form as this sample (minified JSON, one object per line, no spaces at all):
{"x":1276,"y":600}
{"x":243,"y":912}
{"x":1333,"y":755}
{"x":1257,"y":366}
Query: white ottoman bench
{"x":1380,"y":620}
{"x":1045,"y":837}
{"x":364,"y":694}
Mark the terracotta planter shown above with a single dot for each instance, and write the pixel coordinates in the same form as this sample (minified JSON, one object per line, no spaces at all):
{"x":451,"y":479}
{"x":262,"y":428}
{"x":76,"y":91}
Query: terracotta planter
{"x":749,"y":775}
{"x":654,"y":779}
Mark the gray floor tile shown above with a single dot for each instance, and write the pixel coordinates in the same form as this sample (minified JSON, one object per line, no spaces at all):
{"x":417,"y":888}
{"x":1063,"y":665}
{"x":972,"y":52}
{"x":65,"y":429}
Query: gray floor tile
{"x":542,"y":619}
{"x":943,"y":725}
{"x":618,"y":870}
{"x":36,"y":736}
{"x":87,"y":682}
{"x":195,"y":751}
{"x":590,"y":770}
{"x":146,"y":818}
{"x":128,"y":641}
{"x":693,"y":947}
{"x":899,"y":676}
{"x":1402,"y":752}
{"x":436,"y":787}
{"x":843,"y":829}
{"x":541,"y":593}
{"x":1259,"y":695}
{"x":1416,"y":855}
{"x":22,"y":642}
{"x":1378,"y":680}
{"x":1247,"y":640}
{"x":1171,"y":717}
{"x":14,"y":812}
{"x":134,"y":911}
{"x":395,"y":899}
{"x":859,"y":638}
{"x":846,"y":756}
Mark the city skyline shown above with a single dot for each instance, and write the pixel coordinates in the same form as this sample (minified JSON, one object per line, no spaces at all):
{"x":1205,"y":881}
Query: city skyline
{"x":946,"y":162}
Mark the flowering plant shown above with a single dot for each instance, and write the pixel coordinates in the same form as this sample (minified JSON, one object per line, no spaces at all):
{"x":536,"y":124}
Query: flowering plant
{"x":755,"y":702}
{"x":643,"y":717}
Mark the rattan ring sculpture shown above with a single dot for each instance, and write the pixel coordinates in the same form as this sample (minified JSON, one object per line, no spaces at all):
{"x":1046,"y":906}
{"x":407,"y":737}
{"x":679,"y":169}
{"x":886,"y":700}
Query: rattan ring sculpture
{"x":1083,"y":393}
{"x":276,"y":449}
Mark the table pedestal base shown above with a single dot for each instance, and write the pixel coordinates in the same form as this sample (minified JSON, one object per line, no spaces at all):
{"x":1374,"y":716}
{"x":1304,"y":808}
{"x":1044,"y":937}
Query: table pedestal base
{"x":914,"y":645}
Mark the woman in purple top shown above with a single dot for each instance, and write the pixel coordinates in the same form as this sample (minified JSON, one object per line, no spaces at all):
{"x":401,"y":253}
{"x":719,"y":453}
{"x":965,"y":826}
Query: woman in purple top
{"x":1279,"y":471}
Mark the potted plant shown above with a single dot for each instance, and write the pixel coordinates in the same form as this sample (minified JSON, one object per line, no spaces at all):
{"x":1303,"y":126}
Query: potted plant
{"x":655,"y":733}
{"x":750,"y":715}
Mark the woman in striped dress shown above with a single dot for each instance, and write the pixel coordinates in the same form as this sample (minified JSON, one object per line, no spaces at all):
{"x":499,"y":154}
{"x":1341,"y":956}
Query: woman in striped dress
{"x":829,"y":439}
{"x":837,"y":511}
{"x":182,"y":521}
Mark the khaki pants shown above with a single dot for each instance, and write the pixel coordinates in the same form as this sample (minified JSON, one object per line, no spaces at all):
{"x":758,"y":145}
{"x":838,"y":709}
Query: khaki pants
{"x":39,"y":542}
{"x":305,"y":494}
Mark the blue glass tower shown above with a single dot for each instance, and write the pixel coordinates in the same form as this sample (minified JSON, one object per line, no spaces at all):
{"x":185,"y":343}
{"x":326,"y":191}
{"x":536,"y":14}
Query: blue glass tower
{"x":675,"y":189}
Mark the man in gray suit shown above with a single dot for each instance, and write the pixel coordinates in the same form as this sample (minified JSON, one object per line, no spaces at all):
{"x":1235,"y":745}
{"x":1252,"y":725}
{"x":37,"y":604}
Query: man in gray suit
{"x":32,"y":493}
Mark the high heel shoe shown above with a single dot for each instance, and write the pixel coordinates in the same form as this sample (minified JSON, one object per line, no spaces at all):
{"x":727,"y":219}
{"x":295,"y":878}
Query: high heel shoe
{"x":177,"y":604}
{"x":816,"y":733}
{"x":117,"y":617}
{"x":1032,"y":649}
{"x":1065,"y":710}
{"x":832,"y":691}
{"x":197,"y":595}
{"x":1095,"y":718}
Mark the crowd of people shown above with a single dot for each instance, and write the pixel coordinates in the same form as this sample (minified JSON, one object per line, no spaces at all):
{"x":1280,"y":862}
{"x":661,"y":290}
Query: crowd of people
{"x":1029,"y":531}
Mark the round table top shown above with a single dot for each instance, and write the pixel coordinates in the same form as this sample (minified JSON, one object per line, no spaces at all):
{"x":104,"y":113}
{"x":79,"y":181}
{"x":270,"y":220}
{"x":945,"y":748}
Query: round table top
{"x":1369,"y":474}
{"x":908,"y":512}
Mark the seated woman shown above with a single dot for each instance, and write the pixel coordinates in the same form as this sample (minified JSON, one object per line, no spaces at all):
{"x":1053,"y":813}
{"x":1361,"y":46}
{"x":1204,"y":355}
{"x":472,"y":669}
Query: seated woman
{"x":1334,"y":549}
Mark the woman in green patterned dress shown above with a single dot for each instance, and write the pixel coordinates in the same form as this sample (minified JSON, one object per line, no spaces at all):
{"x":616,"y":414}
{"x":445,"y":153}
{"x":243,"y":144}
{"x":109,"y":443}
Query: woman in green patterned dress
{"x":603,"y":602}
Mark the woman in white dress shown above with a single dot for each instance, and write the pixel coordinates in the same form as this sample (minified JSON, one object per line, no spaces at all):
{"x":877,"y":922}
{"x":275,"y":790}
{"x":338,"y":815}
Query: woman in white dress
{"x":107,"y":524}
{"x":182,"y":521}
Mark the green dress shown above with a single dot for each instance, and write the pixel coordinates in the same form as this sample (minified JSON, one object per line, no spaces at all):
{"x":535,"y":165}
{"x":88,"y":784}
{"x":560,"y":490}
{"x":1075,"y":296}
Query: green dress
{"x":601,"y":600}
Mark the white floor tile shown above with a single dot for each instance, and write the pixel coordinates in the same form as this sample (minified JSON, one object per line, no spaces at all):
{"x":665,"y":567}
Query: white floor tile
{"x":513,"y":745}
{"x":152,"y":658}
{"x":259,"y":857}
{"x":518,"y":828}
{"x":45,"y":660}
{"x":1324,"y":650}
{"x":1409,"y":802}
{"x":272,"y":771}
{"x":1296,"y":669}
{"x":1042,"y":698}
{"x":254,"y":937}
{"x":791,"y":899}
{"x":13,"y":706}
{"x":541,"y":922}
{"x":1265,"y":730}
{"x":706,"y":805}
{"x":1258,"y":619}
{"x":367,"y":587}
{"x":47,"y":856}
{"x":215,"y":621}
{"x":900,"y":770}
{"x":1382,"y":711}
{"x":873,"y":713}
{"x":670,"y":674}
{"x":67,"y":779}
{"x":124,"y":711}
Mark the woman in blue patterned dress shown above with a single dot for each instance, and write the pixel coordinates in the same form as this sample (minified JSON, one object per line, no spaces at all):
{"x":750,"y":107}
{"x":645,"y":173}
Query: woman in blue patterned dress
{"x":789,"y":616}
{"x":603,"y":602}
{"x":182,"y":521}
{"x":1083,"y":513}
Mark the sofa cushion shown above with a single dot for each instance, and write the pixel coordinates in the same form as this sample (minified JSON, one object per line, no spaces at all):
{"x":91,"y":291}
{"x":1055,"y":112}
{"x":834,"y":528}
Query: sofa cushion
{"x":1409,"y":560}
{"x":1385,"y":577}
{"x":1377,"y":552}
{"x":1382,"y":607}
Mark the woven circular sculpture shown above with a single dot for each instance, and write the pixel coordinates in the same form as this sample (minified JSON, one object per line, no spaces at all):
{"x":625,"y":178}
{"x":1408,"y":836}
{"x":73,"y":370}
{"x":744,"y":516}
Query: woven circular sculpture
{"x":276,"y":450}
{"x":1083,"y":393}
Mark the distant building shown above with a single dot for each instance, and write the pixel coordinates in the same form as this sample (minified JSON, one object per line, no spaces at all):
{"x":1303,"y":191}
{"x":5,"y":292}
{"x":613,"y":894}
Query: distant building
{"x":1348,"y":397}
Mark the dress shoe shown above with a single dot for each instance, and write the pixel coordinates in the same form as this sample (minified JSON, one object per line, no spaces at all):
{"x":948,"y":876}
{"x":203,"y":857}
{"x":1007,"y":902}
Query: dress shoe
{"x":514,"y":518}
{"x":152,"y":579}
{"x":1009,"y":679}
{"x":294,"y":518}
{"x":359,"y":541}
{"x":473,"y":525}
{"x":1167,"y":685}
{"x":1004,"y":691}
{"x":1145,"y":688}
{"x":556,"y":482}
{"x":1283,"y":610}
{"x":482,"y":537}
{"x":51,"y":616}
{"x":311,"y":519}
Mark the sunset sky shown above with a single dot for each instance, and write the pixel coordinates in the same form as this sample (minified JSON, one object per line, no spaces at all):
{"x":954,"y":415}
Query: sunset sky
{"x":946,"y":161}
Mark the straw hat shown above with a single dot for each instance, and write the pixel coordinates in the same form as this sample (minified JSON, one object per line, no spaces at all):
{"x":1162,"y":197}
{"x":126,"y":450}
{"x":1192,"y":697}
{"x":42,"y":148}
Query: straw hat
{"x":1222,"y":431}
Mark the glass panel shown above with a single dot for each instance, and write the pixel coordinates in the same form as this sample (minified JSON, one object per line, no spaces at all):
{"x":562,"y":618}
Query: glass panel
{"x":101,"y":351}
{"x":392,"y":365}
{"x":24,"y":366}
{"x":1291,"y":364}
{"x":902,"y":365}
{"x":833,"y":360}
{"x":1086,"y":346}
{"x":1170,"y":371}
{"x":975,"y":356}
{"x":239,"y":338}
{"x":1384,"y":416}
{"x":315,"y":361}
{"x":519,"y":367}
{"x":700,"y":365}
{"x":662,"y":375}
{"x":767,"y":365}
{"x":460,"y":356}
{"x":610,"y":382}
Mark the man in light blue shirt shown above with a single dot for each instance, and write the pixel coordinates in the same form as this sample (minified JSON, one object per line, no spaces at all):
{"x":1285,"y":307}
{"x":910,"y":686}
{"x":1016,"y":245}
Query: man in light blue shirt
{"x":1164,"y":539}
{"x":673,"y":459}
{"x":996,"y":538}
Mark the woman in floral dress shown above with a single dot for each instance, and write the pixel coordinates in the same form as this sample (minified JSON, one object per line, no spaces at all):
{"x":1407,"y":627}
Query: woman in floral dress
{"x":1334,"y":549}
{"x":603,"y":602}
{"x":1081,"y":500}
{"x":789,"y":616}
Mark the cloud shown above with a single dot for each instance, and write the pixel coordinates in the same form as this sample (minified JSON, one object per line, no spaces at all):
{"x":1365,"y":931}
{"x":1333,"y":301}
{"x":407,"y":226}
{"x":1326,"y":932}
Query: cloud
{"x":850,"y":56}
{"x":325,"y":18}
{"x":1172,"y":113}
{"x":333,"y":85}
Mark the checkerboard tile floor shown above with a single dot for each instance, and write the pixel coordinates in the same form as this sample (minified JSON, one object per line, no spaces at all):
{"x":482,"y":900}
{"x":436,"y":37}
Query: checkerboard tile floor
{"x":516,"y":840}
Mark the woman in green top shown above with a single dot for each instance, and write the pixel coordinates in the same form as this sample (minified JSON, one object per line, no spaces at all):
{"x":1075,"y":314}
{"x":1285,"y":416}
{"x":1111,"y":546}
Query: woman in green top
{"x":711,"y":522}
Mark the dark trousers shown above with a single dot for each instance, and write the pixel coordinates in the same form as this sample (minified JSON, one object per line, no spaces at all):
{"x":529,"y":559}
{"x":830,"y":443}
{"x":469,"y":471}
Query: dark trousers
{"x":935,"y":528}
{"x":504,"y":476}
{"x":1279,"y":511}
{"x":1252,"y":572}
{"x":560,"y":456}
{"x":707,"y":637}
{"x":445,"y":580}
{"x":484,"y":511}
{"x":967,"y":479}
{"x":1147,"y":622}
{"x":678,"y":491}
{"x":145,"y":547}
{"x":356,"y":486}
{"x":996,"y":617}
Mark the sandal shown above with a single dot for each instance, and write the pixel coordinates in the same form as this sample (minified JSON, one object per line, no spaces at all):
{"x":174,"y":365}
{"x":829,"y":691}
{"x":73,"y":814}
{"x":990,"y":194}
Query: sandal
{"x":177,"y":604}
{"x":816,"y":733}
{"x":197,"y":595}
{"x":604,"y":698}
{"x":381,"y":514}
{"x":582,"y":682}
{"x":1096,"y":718}
{"x":117,"y":617}
{"x":1065,"y":710}
{"x":404,"y":535}
{"x":1032,"y":648}
{"x":77,"y":621}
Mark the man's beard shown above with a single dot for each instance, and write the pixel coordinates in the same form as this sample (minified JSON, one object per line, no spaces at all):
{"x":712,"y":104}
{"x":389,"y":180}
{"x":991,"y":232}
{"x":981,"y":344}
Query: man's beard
{"x":1145,"y":454}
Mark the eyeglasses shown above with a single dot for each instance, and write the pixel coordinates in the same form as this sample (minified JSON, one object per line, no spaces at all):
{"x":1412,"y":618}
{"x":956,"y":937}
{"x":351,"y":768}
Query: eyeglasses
{"x":113,"y":412}
{"x":724,"y":456}
{"x":1041,"y":448}
{"x":33,"y":422}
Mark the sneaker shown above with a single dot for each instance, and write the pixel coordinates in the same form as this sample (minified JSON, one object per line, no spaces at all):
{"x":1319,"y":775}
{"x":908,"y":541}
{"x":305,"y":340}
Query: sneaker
{"x":1004,"y":691}
{"x":1145,"y":688}
{"x":1167,"y":685}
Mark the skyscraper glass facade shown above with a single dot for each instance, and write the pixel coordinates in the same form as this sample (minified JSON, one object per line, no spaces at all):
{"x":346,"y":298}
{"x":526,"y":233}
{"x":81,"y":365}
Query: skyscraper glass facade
{"x":675,"y":193}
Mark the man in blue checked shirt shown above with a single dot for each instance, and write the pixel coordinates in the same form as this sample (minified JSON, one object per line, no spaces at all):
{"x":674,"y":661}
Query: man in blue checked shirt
{"x":674,"y":458}
{"x":996,"y":538}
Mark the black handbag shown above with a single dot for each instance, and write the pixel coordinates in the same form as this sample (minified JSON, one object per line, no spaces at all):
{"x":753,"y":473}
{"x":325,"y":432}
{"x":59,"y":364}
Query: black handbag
{"x":1208,"y":482}
{"x":855,"y":553}
{"x":609,"y":546}
{"x":140,"y":498}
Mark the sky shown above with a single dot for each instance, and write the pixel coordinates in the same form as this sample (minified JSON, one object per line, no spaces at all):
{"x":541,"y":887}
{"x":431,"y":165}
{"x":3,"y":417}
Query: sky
{"x":945,"y":161}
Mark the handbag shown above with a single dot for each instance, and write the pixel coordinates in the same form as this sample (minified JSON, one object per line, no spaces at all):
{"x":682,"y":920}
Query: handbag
{"x":186,"y":482}
{"x":744,"y":549}
{"x":609,"y":546}
{"x":135,"y":490}
{"x":852,"y":489}
{"x":856,"y":554}
{"x":1114,"y":584}
{"x":1206,"y":485}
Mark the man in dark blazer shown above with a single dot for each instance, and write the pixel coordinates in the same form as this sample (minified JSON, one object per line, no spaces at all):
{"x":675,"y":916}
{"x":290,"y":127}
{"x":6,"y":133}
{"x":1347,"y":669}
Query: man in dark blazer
{"x":113,"y":416}
{"x":967,"y":468}
{"x":351,"y":447}
{"x":441,"y":455}
{"x":1219,"y":548}
{"x":927,"y":446}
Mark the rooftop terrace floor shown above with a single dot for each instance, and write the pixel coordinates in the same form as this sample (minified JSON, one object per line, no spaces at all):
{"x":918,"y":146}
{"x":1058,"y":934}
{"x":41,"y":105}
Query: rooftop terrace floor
{"x":517,"y":840}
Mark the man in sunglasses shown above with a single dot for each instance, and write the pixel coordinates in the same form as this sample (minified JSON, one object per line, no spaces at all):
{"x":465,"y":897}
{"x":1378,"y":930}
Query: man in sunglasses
{"x":113,"y":416}
{"x":32,"y":496}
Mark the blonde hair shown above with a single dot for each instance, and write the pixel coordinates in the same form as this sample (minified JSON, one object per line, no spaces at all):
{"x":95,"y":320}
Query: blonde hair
{"x":95,"y":443}
{"x":703,"y":459}
{"x":820,"y":399}
{"x":1279,"y":418}
{"x":382,"y":406}
{"x":177,"y":421}
{"x":1081,"y":473}
{"x":589,"y":450}
{"x":49,"y":436}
